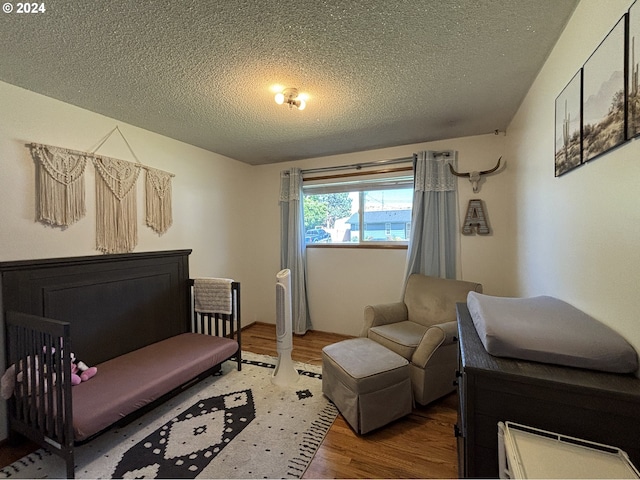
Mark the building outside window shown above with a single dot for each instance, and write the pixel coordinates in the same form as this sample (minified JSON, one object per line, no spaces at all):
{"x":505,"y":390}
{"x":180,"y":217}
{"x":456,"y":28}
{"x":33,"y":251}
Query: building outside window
{"x":375,"y":209}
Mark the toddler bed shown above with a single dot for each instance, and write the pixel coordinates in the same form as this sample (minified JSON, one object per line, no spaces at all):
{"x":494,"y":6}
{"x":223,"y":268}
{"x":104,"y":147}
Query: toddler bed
{"x":131,"y":316}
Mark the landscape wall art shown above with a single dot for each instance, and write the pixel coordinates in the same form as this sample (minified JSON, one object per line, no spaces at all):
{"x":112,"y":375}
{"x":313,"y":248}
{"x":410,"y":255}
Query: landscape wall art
{"x":603,"y":108}
{"x":633,"y":88}
{"x":568,"y":126}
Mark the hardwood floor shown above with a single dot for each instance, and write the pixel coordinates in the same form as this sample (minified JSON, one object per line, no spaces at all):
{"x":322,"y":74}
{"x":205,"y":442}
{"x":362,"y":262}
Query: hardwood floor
{"x":420,"y":445}
{"x":11,"y":453}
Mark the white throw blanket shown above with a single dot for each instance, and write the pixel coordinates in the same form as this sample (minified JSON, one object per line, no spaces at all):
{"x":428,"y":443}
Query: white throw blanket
{"x":212,"y":295}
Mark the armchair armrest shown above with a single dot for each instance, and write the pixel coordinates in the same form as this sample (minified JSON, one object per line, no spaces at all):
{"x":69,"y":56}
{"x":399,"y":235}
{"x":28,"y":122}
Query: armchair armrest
{"x":383,"y":314}
{"x":436,"y":336}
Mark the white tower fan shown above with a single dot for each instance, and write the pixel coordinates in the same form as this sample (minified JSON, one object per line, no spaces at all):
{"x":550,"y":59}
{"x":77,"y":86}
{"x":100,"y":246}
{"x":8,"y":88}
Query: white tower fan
{"x":285,"y":373}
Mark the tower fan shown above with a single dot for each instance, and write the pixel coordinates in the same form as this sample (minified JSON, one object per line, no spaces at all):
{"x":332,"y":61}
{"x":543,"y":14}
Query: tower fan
{"x":285,"y":373}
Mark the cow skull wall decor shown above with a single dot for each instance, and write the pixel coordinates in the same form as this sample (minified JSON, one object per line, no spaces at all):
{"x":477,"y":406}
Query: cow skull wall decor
{"x":474,"y":177}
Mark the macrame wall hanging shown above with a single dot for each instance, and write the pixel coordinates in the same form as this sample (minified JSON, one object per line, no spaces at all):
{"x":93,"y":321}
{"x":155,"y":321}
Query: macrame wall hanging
{"x":158,"y":196}
{"x":60,"y":188}
{"x":61,"y":197}
{"x":116,"y":207}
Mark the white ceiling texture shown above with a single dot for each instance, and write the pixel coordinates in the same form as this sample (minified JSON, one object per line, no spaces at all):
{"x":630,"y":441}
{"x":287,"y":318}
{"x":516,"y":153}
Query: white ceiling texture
{"x":377,"y":73}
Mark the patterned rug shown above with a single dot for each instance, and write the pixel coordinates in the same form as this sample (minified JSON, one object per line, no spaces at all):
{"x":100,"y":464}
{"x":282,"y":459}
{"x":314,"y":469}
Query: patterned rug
{"x":233,"y":425}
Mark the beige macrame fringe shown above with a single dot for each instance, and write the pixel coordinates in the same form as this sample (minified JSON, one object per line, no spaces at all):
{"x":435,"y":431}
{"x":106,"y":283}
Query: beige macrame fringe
{"x":116,"y":208}
{"x":158,"y":200}
{"x":60,"y":191}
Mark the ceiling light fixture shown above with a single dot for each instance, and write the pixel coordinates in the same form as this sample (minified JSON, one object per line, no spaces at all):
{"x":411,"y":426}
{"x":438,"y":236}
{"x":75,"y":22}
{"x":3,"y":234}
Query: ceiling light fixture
{"x":290,"y":97}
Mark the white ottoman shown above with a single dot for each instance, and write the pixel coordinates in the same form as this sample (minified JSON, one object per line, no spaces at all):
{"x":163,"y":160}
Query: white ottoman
{"x":368,"y":383}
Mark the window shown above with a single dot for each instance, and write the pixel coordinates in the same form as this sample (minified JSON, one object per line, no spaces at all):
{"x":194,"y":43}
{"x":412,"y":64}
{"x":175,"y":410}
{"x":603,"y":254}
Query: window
{"x":376,"y":210}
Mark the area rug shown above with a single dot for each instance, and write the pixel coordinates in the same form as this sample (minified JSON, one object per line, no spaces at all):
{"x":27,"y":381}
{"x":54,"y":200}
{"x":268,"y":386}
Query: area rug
{"x":232,"y":425}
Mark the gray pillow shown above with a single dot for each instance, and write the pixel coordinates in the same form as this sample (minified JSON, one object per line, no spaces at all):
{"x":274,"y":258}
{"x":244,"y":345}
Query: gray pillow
{"x":546,"y":329}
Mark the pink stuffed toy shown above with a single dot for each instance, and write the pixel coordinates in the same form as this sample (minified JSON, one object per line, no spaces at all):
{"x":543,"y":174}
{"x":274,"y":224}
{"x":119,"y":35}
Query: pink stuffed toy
{"x":80,"y":372}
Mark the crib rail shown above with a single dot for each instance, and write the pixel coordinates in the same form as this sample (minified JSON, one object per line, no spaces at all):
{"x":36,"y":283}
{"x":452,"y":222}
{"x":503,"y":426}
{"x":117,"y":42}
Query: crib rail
{"x":220,"y":324}
{"x":39,"y":351}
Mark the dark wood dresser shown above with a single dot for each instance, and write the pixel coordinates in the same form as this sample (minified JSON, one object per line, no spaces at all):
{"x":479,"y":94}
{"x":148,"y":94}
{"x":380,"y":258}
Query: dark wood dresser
{"x":596,"y":406}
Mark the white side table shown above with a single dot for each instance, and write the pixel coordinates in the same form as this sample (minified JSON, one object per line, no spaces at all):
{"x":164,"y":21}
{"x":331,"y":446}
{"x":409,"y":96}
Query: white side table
{"x":526,"y":452}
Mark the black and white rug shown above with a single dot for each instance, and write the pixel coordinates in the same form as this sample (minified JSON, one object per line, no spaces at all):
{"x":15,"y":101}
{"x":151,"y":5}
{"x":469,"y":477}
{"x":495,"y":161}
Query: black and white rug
{"x":235,"y":425}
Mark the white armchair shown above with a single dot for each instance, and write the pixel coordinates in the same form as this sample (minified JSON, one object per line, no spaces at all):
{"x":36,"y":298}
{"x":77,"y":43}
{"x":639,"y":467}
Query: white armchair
{"x":423,"y":329}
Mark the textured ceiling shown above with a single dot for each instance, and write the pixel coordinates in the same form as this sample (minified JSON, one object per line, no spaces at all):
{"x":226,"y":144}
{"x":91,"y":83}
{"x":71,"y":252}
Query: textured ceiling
{"x":377,"y":73}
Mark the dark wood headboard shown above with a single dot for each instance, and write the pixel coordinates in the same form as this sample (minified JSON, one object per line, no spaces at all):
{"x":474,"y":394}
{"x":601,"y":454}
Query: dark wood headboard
{"x":114,"y":303}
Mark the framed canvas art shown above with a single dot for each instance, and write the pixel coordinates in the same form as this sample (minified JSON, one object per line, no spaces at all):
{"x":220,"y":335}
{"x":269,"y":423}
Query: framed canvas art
{"x":603,"y":99}
{"x":633,"y":69}
{"x":568,"y":130}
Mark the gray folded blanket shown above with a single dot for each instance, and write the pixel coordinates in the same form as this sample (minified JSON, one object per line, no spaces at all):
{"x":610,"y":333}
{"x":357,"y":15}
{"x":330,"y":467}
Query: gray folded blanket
{"x":212,"y":295}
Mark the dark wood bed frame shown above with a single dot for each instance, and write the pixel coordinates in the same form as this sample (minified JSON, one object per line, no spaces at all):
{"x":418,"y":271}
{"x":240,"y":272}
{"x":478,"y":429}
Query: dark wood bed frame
{"x":100,"y":306}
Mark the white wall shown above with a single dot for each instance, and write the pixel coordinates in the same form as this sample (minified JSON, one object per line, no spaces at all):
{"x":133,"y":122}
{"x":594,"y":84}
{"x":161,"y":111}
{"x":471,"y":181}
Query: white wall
{"x":206,"y":187}
{"x":576,"y":236}
{"x":211,"y":211}
{"x":342,"y":281}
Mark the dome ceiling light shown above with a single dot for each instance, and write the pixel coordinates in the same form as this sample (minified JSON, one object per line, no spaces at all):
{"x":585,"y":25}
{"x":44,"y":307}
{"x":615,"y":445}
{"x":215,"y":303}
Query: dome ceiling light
{"x":291,"y":97}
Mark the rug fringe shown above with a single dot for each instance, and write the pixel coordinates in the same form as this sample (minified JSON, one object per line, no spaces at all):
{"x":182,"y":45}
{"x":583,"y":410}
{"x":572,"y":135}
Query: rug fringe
{"x":315,"y":435}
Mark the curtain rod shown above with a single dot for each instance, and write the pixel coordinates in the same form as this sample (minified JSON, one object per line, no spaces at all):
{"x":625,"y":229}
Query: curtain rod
{"x":358,"y":166}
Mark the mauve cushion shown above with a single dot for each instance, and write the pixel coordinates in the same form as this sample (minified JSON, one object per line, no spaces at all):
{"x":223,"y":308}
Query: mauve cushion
{"x":128,"y":382}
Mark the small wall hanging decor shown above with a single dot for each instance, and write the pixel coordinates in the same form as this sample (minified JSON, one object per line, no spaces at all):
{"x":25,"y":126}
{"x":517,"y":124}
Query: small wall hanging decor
{"x":475,"y":177}
{"x":476,"y":220}
{"x":116,"y":208}
{"x":158,"y":200}
{"x":60,"y":191}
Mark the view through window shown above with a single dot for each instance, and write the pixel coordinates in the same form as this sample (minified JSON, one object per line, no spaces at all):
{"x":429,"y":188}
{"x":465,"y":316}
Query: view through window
{"x":358,"y":212}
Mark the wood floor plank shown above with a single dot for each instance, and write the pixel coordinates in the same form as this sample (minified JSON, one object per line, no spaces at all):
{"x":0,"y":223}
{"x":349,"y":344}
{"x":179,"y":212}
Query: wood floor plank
{"x":420,"y":445}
